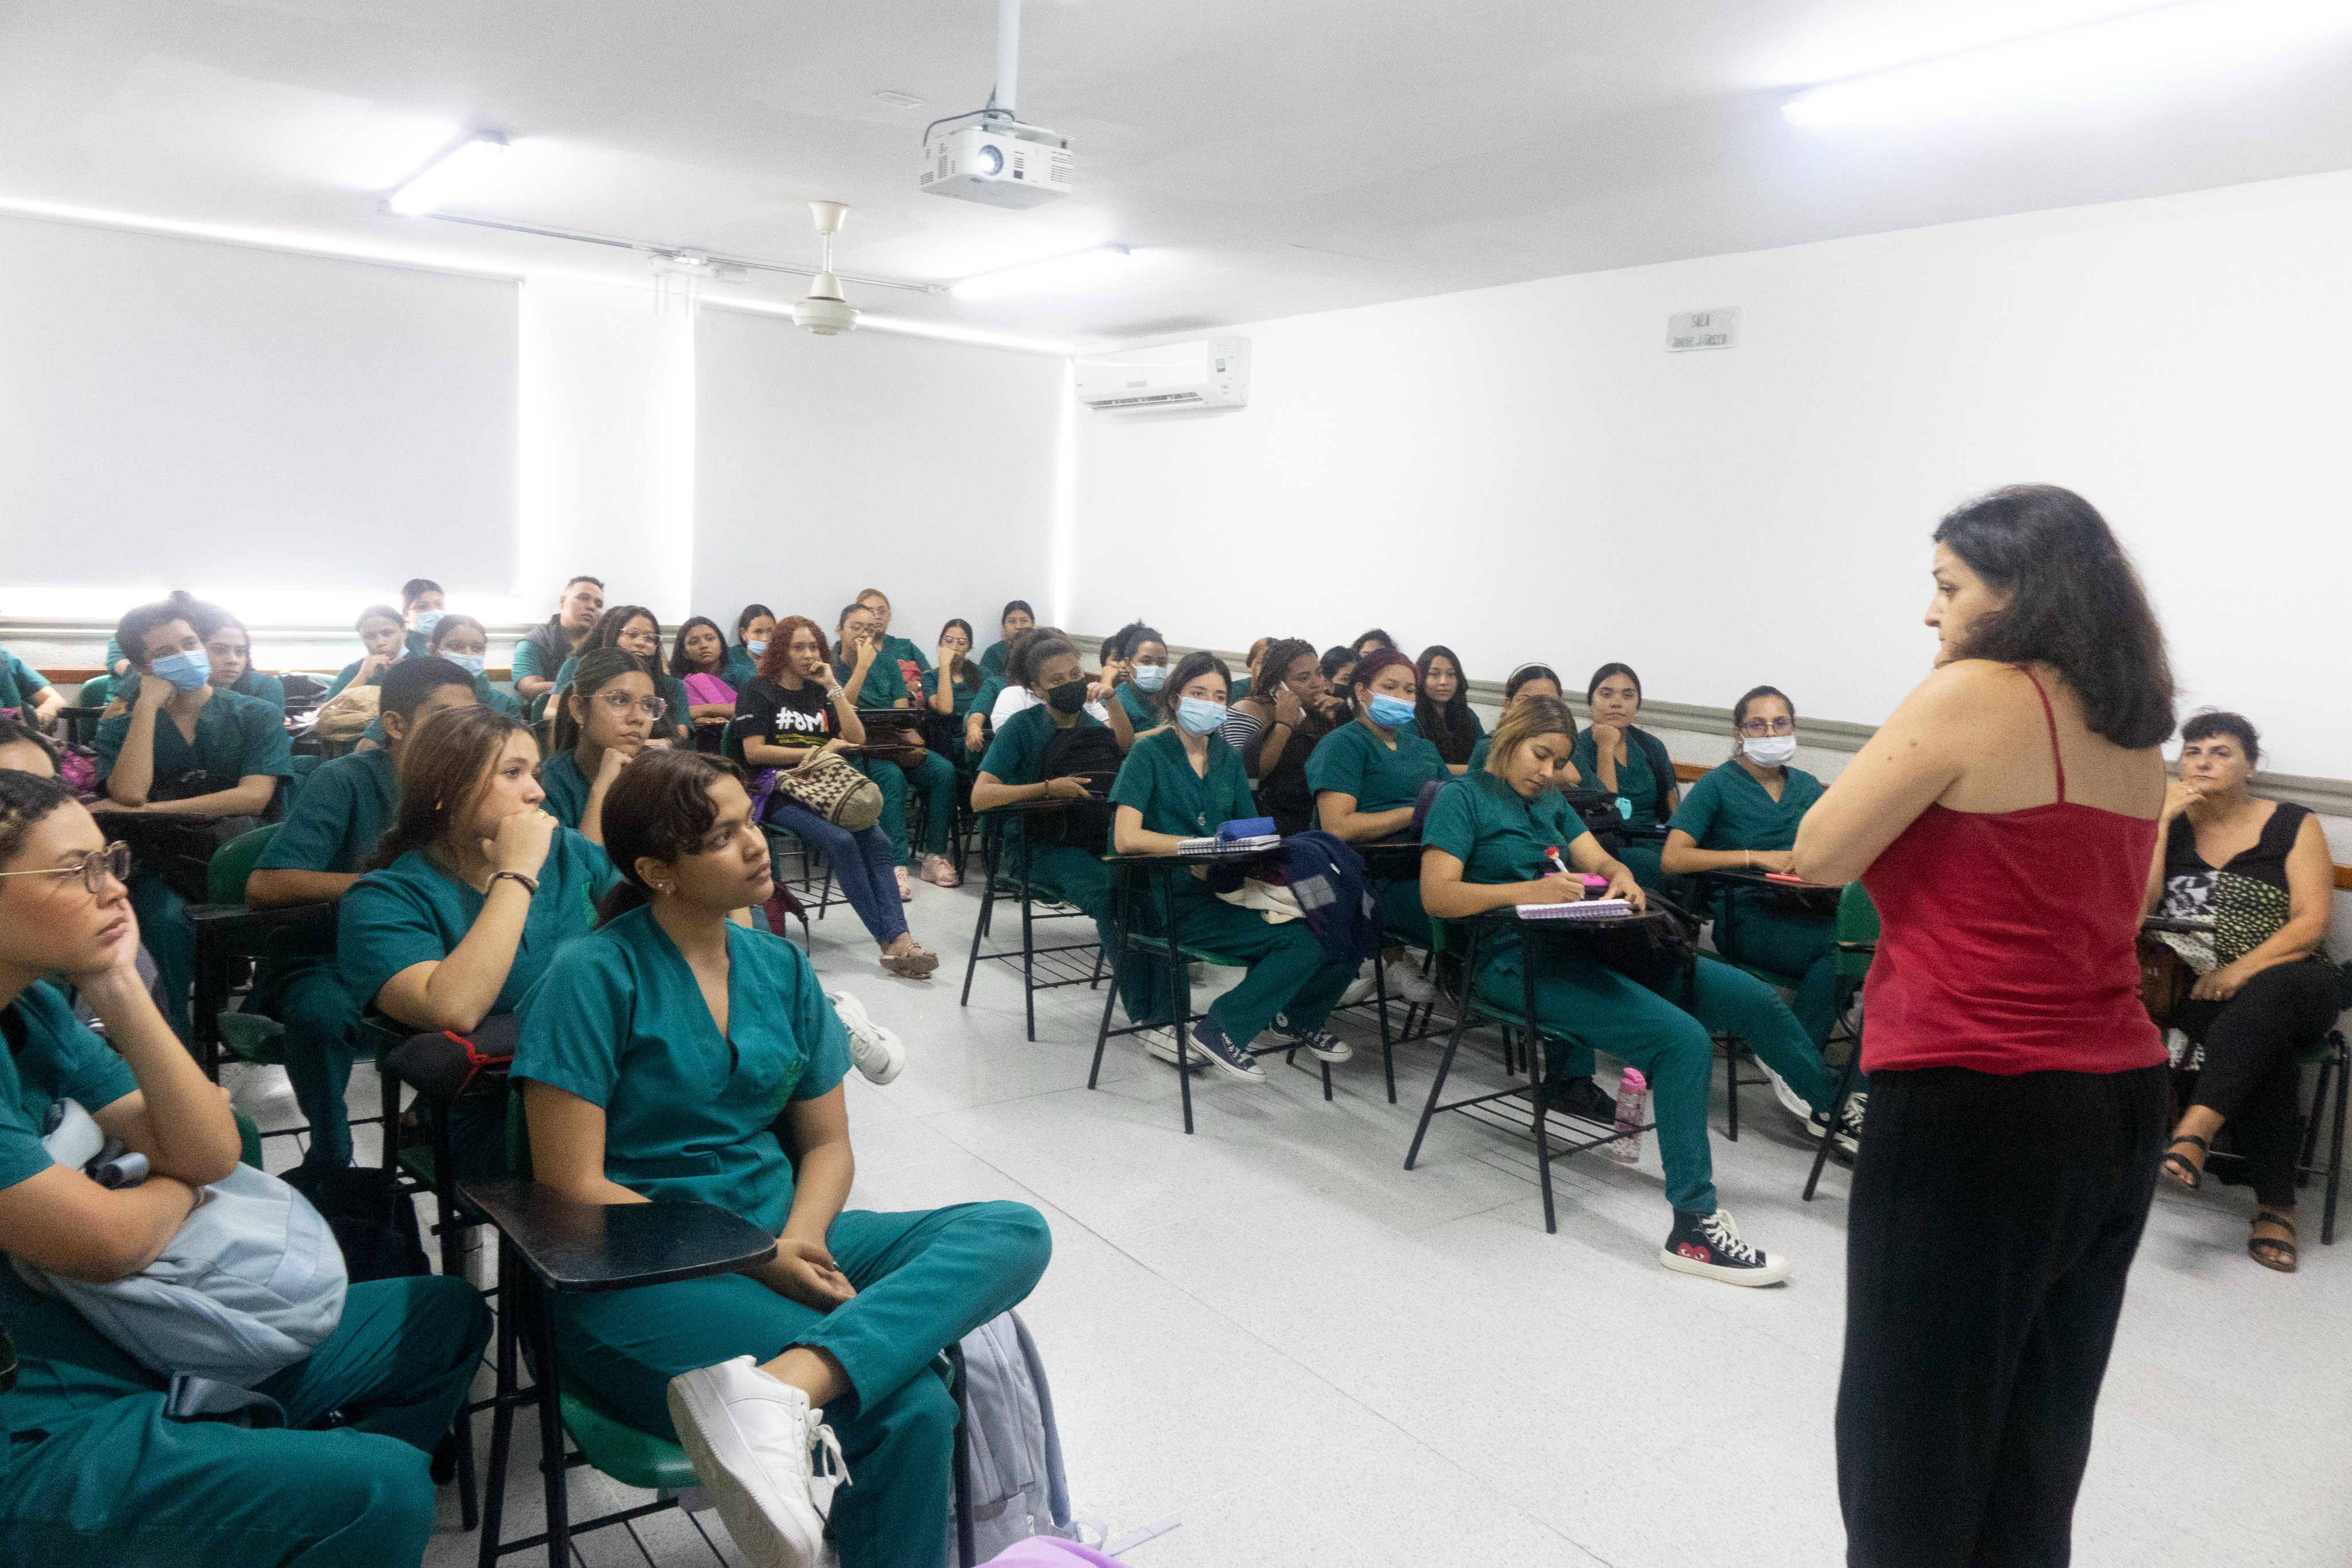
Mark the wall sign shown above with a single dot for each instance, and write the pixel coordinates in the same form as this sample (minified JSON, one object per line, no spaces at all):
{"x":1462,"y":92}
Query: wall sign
{"x":1716,"y":329}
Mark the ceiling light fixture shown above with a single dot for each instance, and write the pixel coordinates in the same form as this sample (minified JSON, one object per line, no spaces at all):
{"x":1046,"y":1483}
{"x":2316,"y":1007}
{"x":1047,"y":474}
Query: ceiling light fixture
{"x":826,"y":310}
{"x":2066,"y":61}
{"x":449,"y":171}
{"x":1075,"y":269}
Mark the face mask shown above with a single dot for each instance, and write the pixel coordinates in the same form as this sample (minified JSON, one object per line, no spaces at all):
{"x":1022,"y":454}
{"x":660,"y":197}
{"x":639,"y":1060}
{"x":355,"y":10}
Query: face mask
{"x":1067,"y":698}
{"x":426,"y":620}
{"x":189,"y":672}
{"x":1200,"y":718}
{"x":1769,"y":750}
{"x":1150,"y":677}
{"x":757,"y":647}
{"x":471,"y":663}
{"x":1388,"y":712}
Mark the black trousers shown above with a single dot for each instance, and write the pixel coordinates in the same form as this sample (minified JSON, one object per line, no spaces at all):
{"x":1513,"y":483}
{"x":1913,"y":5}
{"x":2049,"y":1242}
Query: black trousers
{"x":2251,"y":1075}
{"x":1992,"y":1222}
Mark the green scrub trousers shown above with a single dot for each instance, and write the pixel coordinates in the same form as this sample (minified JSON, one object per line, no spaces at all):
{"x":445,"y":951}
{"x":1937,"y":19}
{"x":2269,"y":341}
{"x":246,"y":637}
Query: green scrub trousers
{"x":1401,"y":914}
{"x":171,"y":940}
{"x":1804,"y":950}
{"x":322,"y":1033}
{"x":1082,"y":879}
{"x":936,"y":778}
{"x":924,"y":1280}
{"x":113,"y":1483}
{"x":1290,"y":977}
{"x":1587,"y":1006}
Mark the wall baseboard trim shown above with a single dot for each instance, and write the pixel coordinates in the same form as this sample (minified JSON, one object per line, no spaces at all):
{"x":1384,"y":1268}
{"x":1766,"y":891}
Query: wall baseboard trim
{"x":2328,"y":797}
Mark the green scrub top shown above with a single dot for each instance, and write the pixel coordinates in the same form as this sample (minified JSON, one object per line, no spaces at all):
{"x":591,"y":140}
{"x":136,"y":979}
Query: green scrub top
{"x":689,"y":1113}
{"x":237,"y":737}
{"x":1728,"y":810}
{"x":1352,"y":761}
{"x":884,"y":687}
{"x":964,"y":696}
{"x":667,"y":686}
{"x":529,"y":657}
{"x":1637,"y":781}
{"x":1238,"y":690}
{"x":1140,"y":711}
{"x":412,"y":912}
{"x":566,"y":786}
{"x":485,"y":694}
{"x":339,"y":818}
{"x":1157,"y":779}
{"x":897,"y":648}
{"x":1017,"y":753}
{"x":992,"y":657}
{"x":263,"y":686}
{"x":416,"y":643}
{"x":19,"y":681}
{"x":60,"y":1059}
{"x":740,"y":666}
{"x":1499,"y":838}
{"x":344,"y":676}
{"x":983,"y":701}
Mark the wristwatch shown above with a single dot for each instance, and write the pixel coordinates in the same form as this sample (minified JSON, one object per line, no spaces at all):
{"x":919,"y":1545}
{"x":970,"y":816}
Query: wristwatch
{"x":530,"y":883}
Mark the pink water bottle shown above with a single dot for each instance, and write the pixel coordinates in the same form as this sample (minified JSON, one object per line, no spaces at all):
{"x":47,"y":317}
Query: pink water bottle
{"x":1632,"y":1115}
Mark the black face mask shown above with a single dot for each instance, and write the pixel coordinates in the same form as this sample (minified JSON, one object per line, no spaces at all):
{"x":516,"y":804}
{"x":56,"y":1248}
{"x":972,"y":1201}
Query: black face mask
{"x":1067,"y":698}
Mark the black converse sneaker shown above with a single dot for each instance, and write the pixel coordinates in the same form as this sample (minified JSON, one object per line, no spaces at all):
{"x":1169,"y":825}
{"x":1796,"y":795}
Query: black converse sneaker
{"x":1708,"y":1245}
{"x":1849,"y":1135}
{"x":1319,"y":1043}
{"x":1234,"y":1060}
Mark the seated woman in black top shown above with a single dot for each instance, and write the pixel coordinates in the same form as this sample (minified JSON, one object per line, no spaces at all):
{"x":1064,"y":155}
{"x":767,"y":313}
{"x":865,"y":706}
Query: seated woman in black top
{"x":2266,"y":990}
{"x":1371,"y":642}
{"x":1442,"y":710}
{"x":1276,"y":725}
{"x":1339,"y":680}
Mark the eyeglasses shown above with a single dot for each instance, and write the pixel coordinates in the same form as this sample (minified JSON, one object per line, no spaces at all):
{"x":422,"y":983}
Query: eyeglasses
{"x":1784,"y":725}
{"x":621,"y":702}
{"x":93,"y":868}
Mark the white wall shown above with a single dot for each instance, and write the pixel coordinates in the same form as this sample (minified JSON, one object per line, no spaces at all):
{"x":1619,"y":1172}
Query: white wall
{"x":1525,"y":472}
{"x":826,"y":466}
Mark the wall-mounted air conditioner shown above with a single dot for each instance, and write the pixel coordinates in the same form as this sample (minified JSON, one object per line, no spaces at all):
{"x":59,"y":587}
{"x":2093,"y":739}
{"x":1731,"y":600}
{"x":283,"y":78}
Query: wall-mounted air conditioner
{"x":1212,"y":372}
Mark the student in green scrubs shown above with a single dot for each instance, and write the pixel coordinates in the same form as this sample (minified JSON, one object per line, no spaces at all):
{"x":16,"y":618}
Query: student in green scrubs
{"x":464,"y":642}
{"x":422,"y":605}
{"x":314,"y":857}
{"x":873,"y":678}
{"x":1368,"y":774}
{"x":675,"y":1054}
{"x":1489,"y":844}
{"x":95,"y":1473}
{"x":1246,"y":682}
{"x":634,"y":629}
{"x":384,"y":635}
{"x":980,"y":722}
{"x":469,"y":896}
{"x":1529,"y":680}
{"x":1016,"y":619}
{"x":1442,"y":710}
{"x":753,"y":627}
{"x":1617,"y":755}
{"x":1744,"y":814}
{"x":914,"y":667}
{"x":183,"y":746}
{"x":607,"y":714}
{"x":26,"y":691}
{"x":540,"y":652}
{"x":954,"y":687}
{"x":1135,"y":671}
{"x":1181,"y":782}
{"x":1014,"y":770}
{"x":228,"y":647}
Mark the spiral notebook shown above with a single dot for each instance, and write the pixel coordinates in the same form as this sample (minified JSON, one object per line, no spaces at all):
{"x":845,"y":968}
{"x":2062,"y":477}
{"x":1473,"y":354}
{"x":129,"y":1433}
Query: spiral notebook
{"x":1590,"y":909}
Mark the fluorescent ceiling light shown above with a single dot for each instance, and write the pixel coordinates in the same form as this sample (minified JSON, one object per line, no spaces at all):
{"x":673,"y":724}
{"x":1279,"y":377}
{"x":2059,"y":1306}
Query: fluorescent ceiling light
{"x":2068,"y":62}
{"x":1078,"y":269}
{"x":455,"y":172}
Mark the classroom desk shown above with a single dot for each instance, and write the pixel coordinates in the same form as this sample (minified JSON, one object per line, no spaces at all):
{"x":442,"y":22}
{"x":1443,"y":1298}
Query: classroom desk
{"x":992,"y":823}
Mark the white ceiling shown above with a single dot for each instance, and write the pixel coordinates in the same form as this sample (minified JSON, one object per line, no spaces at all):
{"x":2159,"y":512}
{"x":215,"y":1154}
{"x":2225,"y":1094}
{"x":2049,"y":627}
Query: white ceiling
{"x":1264,"y":159}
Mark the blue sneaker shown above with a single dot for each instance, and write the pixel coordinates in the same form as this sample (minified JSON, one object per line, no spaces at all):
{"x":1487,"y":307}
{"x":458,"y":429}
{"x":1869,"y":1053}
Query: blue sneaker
{"x":1208,"y":1040}
{"x":1319,"y":1043}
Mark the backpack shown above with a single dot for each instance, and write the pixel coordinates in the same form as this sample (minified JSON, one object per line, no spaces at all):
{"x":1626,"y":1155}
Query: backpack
{"x":345,"y":716}
{"x":826,"y":785}
{"x":251,"y":1284}
{"x":1008,"y":1459}
{"x":1088,"y":751}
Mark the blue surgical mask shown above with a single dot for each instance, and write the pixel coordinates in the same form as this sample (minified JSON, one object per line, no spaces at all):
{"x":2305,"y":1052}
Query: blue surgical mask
{"x":757,"y":647}
{"x":1388,"y":712}
{"x":1150,"y":677}
{"x":188,"y":671}
{"x":1200,"y":718}
{"x":472,"y":664}
{"x":426,"y":620}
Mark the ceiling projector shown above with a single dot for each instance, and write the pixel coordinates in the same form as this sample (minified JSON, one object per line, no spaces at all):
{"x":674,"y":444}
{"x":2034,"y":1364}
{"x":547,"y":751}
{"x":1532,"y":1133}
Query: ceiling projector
{"x":999,"y":162}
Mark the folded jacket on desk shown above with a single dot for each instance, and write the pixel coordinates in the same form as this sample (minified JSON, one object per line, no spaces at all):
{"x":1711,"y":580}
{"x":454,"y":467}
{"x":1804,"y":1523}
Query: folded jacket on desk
{"x":1271,"y":899}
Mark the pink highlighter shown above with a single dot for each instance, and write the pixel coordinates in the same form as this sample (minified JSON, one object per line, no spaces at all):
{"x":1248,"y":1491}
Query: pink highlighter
{"x":1592,"y":884}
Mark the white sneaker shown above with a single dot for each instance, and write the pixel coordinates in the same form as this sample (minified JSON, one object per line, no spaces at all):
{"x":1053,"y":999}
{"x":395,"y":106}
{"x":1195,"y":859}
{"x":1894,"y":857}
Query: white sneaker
{"x":1412,"y":985}
{"x":750,"y":1438}
{"x":878,"y":1053}
{"x":906,"y":886}
{"x":1790,"y":1101}
{"x":1161,"y":1043}
{"x":1360,"y":988}
{"x":940,"y":870}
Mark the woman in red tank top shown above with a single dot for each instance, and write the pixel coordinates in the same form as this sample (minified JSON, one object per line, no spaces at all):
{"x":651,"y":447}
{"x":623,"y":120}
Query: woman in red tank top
{"x":2003,"y":822}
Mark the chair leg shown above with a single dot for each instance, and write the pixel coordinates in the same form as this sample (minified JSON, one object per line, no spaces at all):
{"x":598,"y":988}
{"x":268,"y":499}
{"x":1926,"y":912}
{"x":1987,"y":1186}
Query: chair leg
{"x":501,"y":1414}
{"x":1539,"y":1076}
{"x":1381,"y":999}
{"x":1110,"y":996}
{"x":1437,"y":1085}
{"x":552,"y":1469}
{"x":1028,"y":959}
{"x":1837,"y":1109}
{"x":390,"y":1127}
{"x":2335,"y":1151}
{"x":452,"y":1230}
{"x":2310,"y":1123}
{"x":1179,"y":987}
{"x":1731,"y":1080}
{"x":979,"y":929}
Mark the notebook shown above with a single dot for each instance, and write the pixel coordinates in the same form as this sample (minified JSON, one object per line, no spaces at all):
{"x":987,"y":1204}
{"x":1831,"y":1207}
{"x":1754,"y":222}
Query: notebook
{"x":1217,"y":846}
{"x":1590,"y":909}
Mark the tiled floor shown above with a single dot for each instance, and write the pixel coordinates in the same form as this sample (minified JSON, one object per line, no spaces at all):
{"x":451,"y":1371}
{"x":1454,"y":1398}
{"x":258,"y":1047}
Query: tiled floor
{"x":1313,"y":1356}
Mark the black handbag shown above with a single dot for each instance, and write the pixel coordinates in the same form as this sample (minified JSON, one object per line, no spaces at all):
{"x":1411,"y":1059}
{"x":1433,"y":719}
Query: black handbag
{"x":1656,"y":952}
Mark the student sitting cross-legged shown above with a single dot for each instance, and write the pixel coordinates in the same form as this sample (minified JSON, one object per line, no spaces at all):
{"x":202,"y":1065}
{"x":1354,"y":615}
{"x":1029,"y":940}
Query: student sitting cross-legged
{"x":675,"y":1055}
{"x":1179,"y":782}
{"x":1489,"y":844}
{"x":871,"y":673}
{"x":96,"y":1472}
{"x":606,"y":714}
{"x":337,"y":823}
{"x":469,"y":897}
{"x":791,"y":711}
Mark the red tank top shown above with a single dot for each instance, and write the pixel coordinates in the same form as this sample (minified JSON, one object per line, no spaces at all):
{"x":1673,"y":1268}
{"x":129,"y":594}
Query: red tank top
{"x":2007,"y":939}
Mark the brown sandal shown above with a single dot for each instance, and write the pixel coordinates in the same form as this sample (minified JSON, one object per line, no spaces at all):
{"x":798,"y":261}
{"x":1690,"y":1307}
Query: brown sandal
{"x":2272,"y":1251}
{"x":2179,"y":1168}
